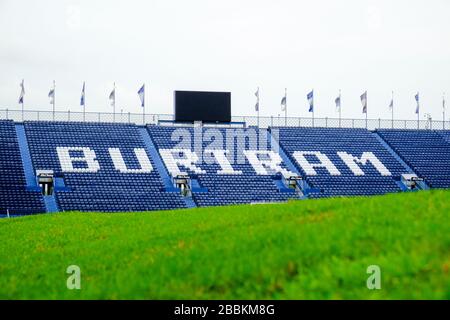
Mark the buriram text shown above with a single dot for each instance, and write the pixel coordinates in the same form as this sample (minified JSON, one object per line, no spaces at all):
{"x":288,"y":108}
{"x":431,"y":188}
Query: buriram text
{"x":185,"y":161}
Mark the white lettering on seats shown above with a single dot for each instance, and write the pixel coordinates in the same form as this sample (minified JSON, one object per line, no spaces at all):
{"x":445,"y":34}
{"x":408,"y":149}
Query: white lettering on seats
{"x":309,"y":168}
{"x":119,"y":163}
{"x":354,"y":163}
{"x":267,"y":166}
{"x":66,"y":161}
{"x":188,"y":160}
{"x":222,"y":160}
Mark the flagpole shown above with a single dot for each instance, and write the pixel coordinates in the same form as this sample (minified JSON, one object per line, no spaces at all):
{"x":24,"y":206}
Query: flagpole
{"x":418,"y":111}
{"x":143,"y":108}
{"x":443,"y":111}
{"x":54,"y":98}
{"x":313,"y":110}
{"x":340,"y":108}
{"x":366,"y":109}
{"x":23,"y":100}
{"x":285,"y":108}
{"x":258,"y":107}
{"x":366,"y":119}
{"x":84,"y":101}
{"x":392,"y":109}
{"x":418,"y":120}
{"x":114,"y":104}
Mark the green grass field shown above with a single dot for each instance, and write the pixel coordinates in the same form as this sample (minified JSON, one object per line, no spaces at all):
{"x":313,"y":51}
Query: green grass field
{"x":318,"y":249}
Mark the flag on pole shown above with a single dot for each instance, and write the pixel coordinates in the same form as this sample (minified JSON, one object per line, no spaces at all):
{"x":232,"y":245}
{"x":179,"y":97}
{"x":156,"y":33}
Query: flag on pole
{"x":112,"y":96}
{"x":283,"y":103}
{"x":443,"y":102}
{"x":364,"y":102}
{"x":51,"y":95}
{"x":257,"y":100}
{"x":141,"y":94}
{"x":418,"y":104}
{"x":82,"y":102}
{"x":391,"y":104}
{"x":310,"y":97}
{"x":22,"y":92}
{"x":337,"y":101}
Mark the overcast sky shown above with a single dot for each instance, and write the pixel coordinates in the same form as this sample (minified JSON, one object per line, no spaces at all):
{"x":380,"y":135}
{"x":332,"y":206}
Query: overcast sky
{"x":228,"y":45}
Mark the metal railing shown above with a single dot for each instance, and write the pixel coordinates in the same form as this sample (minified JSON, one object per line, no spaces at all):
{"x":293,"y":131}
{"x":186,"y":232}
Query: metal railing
{"x":263,"y":122}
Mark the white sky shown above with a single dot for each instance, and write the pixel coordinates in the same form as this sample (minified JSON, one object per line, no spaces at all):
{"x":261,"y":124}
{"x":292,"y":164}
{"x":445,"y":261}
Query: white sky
{"x":228,"y":45}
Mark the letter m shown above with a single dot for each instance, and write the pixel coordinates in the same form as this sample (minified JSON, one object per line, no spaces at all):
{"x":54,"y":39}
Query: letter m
{"x":354,"y":163}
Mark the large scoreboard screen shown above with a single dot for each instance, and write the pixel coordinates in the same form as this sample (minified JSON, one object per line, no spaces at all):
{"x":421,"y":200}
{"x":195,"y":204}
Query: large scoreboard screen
{"x":203,"y":106}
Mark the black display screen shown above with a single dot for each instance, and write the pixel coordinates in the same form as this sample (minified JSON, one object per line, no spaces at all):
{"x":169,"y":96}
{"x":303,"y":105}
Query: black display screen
{"x":193,"y":106}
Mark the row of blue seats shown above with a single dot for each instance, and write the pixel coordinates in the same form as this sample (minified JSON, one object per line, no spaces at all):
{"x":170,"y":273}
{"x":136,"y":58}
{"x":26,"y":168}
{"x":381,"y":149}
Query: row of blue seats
{"x":107,"y":189}
{"x":14,"y":197}
{"x":224,"y":189}
{"x":427,"y":152}
{"x":330,"y":141}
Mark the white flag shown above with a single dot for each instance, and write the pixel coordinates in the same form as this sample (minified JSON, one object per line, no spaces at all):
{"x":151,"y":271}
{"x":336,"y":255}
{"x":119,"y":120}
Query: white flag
{"x":257,"y":100}
{"x":310,"y":98}
{"x":22,"y":92}
{"x":141,"y":94}
{"x":418,"y":104}
{"x":337,"y":101}
{"x":51,"y":95}
{"x":112,"y":96}
{"x":364,"y":102}
{"x":83,"y":96}
{"x":283,"y":103}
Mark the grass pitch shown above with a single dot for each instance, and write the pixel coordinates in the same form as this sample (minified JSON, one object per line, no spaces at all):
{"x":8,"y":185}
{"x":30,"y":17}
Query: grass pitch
{"x":318,"y":249}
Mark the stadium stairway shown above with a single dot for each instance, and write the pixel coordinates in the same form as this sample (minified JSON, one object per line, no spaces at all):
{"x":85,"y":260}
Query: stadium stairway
{"x":18,"y":189}
{"x":307,"y":190}
{"x":49,"y":201}
{"x":423,"y":184}
{"x":168,"y":185}
{"x":26,"y":158}
{"x":50,"y":204}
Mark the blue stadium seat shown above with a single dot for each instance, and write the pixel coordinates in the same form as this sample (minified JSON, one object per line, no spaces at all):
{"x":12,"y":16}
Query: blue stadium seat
{"x":106,"y":190}
{"x":55,"y":145}
{"x":224,"y":189}
{"x":13,"y":194}
{"x":330,"y":141}
{"x":445,"y":134}
{"x":427,"y":152}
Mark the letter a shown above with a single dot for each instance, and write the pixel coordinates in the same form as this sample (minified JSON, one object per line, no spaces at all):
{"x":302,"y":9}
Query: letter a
{"x":374,"y":280}
{"x":74,"y":280}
